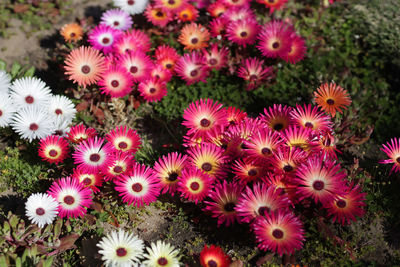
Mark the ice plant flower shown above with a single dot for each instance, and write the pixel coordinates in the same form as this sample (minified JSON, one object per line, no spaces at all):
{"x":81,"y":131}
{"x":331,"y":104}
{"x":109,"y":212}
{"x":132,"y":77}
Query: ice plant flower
{"x":131,"y":6}
{"x":332,"y":98}
{"x":6,"y":110}
{"x":320,"y":179}
{"x":273,"y":4}
{"x":216,"y":58}
{"x":5,"y":82}
{"x":392,"y":150}
{"x":138,"y":64}
{"x":32,"y":123}
{"x":158,"y":15}
{"x":194,"y":184}
{"x":116,"y":82}
{"x":139,"y":187}
{"x":171,"y":5}
{"x":73,"y":197}
{"x":120,"y":163}
{"x":117,"y":18}
{"x":236,"y":3}
{"x":310,"y":117}
{"x":166,"y":56}
{"x":192,"y":68}
{"x":275,"y":39}
{"x":84,"y":66}
{"x":238,"y":13}
{"x":277,"y":117}
{"x":124,"y":139}
{"x":218,"y":27}
{"x":194,"y":36}
{"x":41,"y":209}
{"x":246,"y":171}
{"x":120,"y":249}
{"x":92,"y":180}
{"x":216,"y":9}
{"x":346,"y":207}
{"x":161,"y":254}
{"x":262,"y":199}
{"x":243,"y":32}
{"x":280,"y":231}
{"x":209,"y":158}
{"x":253,"y":71}
{"x":297,"y":50}
{"x":152,"y":90}
{"x":204,"y":115}
{"x":71,"y":32}
{"x":167,"y":169}
{"x":92,"y":154}
{"x":188,"y":13}
{"x":79,"y":133}
{"x":53,"y":149}
{"x":214,"y":256}
{"x":287,"y":159}
{"x":262,"y":145}
{"x":62,"y":107}
{"x":223,"y":202}
{"x":28,"y":92}
{"x":102,"y":37}
{"x":160,"y":73}
{"x":299,"y":137}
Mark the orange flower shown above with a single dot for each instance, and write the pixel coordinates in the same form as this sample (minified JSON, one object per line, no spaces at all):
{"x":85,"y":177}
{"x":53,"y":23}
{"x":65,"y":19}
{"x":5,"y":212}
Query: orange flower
{"x":71,"y":32}
{"x":194,"y":36}
{"x":332,"y":98}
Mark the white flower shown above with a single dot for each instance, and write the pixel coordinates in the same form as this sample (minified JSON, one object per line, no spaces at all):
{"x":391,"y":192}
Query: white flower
{"x":41,"y":209}
{"x":6,"y":110}
{"x":132,"y":6}
{"x":5,"y":82}
{"x":61,"y":126}
{"x":61,"y":106}
{"x":33,"y":122}
{"x":30,"y":91}
{"x":120,"y":249}
{"x":162,"y":254}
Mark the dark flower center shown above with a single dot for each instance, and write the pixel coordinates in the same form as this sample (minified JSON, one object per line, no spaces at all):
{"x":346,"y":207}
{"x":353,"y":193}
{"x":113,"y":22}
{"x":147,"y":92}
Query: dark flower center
{"x":194,"y":73}
{"x":275,"y":45}
{"x":168,"y":66}
{"x":159,"y":14}
{"x":85,"y":69}
{"x":229,"y":207}
{"x":116,"y":23}
{"x":172,"y":176}
{"x":205,"y":122}
{"x":40,"y":211}
{"x":29,"y":99}
{"x":206,"y":167}
{"x":213,"y":61}
{"x":253,"y":77}
{"x":318,"y":185}
{"x":58,"y":111}
{"x":288,"y":168}
{"x":118,"y":169}
{"x":121,"y":251}
{"x":184,"y":15}
{"x":194,"y":40}
{"x":341,"y":203}
{"x":252,"y":172}
{"x":33,"y":127}
{"x":278,"y":127}
{"x":106,"y":40}
{"x":309,"y":125}
{"x":122,"y":145}
{"x":133,"y":69}
{"x":114,"y":83}
{"x":194,"y":186}
{"x":263,"y":210}
{"x":171,"y":2}
{"x":72,"y":35}
{"x":243,"y":34}
{"x":271,"y":1}
{"x":212,"y":263}
{"x":137,"y":187}
{"x":59,"y":132}
{"x":94,"y":157}
{"x":277,"y":233}
{"x":398,"y":160}
{"x":87,"y":181}
{"x":69,"y":200}
{"x":1,"y":113}
{"x":266,"y":151}
{"x":162,"y":261}
{"x":53,"y":153}
{"x":330,"y":101}
{"x":152,"y":90}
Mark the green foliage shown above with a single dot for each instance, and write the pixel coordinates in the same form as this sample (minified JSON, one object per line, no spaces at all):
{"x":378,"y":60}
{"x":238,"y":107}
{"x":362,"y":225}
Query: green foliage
{"x":20,"y":175}
{"x":17,"y":70}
